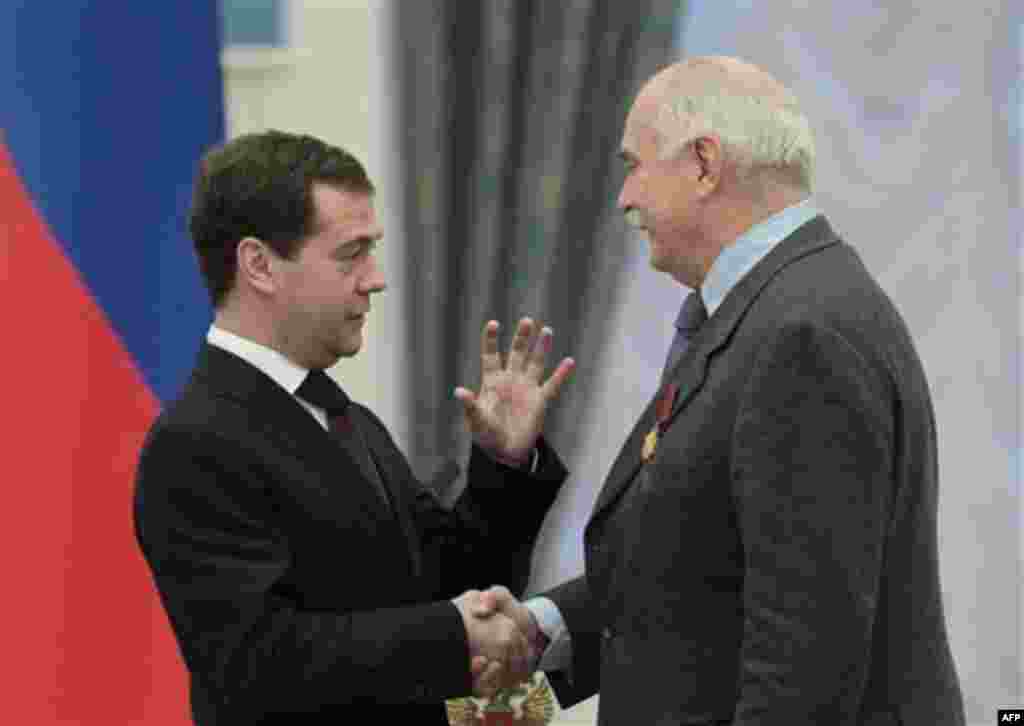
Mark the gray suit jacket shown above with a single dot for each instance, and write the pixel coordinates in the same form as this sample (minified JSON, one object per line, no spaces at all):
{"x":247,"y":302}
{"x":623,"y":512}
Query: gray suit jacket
{"x":776,"y":561}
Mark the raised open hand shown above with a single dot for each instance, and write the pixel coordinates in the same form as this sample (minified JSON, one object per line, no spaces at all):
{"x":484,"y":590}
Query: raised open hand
{"x":507,"y":414}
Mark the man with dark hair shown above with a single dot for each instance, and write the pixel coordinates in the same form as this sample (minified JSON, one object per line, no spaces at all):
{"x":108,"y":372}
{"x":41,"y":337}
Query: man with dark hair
{"x":304,"y":570}
{"x":258,"y":186}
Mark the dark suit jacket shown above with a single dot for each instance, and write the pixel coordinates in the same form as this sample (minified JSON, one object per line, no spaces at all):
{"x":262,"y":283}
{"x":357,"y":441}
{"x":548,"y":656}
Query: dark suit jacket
{"x":295,"y":596}
{"x":775,"y":563}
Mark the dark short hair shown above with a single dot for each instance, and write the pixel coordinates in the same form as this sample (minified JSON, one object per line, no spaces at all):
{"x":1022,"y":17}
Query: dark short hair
{"x":260,"y":185}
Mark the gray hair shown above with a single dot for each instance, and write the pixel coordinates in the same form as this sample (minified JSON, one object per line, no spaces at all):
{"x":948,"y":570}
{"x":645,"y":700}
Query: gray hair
{"x":757,"y":132}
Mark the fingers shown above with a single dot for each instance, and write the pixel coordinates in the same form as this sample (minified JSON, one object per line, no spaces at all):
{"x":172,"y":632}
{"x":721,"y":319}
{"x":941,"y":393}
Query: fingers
{"x":554,"y":383}
{"x":536,"y":360}
{"x":465,"y":602}
{"x":486,"y":604}
{"x":470,"y":408}
{"x":531,"y":356}
{"x":525,"y":353}
{"x":488,"y":681}
{"x":517,"y":657}
{"x":499,"y":597}
{"x":477,"y":665}
{"x":519,"y":351}
{"x":495,"y":636}
{"x":490,"y":357}
{"x":480,"y":604}
{"x":500,"y":652}
{"x":465,"y":598}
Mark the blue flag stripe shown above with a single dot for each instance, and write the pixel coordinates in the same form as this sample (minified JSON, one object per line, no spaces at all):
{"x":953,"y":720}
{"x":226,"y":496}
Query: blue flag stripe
{"x":107,"y":107}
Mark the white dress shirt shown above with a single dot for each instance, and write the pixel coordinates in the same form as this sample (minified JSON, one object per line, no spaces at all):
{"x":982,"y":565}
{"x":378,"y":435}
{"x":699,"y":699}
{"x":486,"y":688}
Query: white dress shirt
{"x":286,"y":373}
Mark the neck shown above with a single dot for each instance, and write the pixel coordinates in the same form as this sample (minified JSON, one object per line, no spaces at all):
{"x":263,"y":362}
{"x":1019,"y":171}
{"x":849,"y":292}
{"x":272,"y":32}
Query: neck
{"x":752,"y":211}
{"x":737,"y":216}
{"x":257,"y":322}
{"x":233,"y":319}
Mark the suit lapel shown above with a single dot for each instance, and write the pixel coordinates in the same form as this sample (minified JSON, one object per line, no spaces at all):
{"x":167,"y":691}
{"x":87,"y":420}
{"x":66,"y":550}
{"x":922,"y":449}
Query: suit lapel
{"x":382,"y":452}
{"x":285,"y":419}
{"x":627,"y":463}
{"x":690,"y":371}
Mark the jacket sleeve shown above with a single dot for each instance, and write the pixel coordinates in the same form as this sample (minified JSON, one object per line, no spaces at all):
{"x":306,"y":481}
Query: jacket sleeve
{"x":206,"y":526}
{"x":812,"y":478}
{"x":583,"y":679}
{"x":488,"y":537}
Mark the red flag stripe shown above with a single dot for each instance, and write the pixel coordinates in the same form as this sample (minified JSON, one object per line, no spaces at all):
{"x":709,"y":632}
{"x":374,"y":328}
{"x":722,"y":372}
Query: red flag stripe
{"x":85,"y":640}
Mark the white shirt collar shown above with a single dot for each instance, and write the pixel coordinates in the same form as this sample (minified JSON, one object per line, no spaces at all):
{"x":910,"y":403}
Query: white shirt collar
{"x":286,"y":373}
{"x":736,"y":260}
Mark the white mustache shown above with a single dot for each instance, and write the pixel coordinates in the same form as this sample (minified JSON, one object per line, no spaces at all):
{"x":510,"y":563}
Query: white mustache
{"x":635,"y":219}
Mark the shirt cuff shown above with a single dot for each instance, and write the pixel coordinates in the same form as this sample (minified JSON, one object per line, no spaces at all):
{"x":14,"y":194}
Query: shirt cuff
{"x":558,"y":655}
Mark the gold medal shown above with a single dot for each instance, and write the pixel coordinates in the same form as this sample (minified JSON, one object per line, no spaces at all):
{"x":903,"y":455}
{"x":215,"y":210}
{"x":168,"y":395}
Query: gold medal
{"x":662,"y":411}
{"x":650,"y":444}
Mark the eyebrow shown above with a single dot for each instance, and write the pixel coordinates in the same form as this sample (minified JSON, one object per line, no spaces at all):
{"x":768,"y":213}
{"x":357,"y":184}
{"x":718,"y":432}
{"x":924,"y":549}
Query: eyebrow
{"x":358,"y":242}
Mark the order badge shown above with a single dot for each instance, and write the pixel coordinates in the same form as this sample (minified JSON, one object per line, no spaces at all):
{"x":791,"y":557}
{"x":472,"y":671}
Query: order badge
{"x":662,"y":411}
{"x":531,"y":703}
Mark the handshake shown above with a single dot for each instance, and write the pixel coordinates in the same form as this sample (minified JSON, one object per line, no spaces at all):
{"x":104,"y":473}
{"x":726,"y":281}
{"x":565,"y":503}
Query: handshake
{"x":505,"y":642}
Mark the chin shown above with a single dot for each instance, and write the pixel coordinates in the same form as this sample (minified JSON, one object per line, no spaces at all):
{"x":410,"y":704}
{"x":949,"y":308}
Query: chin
{"x":657,"y":262}
{"x":350,"y":347}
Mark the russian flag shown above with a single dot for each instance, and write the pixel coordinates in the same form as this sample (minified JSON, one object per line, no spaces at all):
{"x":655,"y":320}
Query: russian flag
{"x":105,"y":108}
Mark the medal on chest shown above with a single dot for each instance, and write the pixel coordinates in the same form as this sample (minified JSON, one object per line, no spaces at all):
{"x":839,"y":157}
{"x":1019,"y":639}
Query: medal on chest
{"x":662,"y":411}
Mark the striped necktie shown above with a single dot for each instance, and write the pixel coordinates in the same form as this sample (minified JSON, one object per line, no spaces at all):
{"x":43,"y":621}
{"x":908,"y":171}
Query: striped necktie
{"x":319,"y":389}
{"x":692,"y":315}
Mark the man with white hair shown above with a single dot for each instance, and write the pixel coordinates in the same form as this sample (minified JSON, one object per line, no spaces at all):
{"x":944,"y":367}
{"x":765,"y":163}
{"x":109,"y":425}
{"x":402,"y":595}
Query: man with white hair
{"x":764,"y":549}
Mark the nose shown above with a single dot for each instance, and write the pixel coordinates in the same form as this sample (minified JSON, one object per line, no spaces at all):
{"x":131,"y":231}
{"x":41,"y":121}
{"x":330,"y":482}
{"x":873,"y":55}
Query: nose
{"x":624,"y":201}
{"x":373,"y":280}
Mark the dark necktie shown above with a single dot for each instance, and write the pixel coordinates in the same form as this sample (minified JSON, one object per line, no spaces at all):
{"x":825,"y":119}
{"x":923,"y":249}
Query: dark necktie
{"x":691,"y":316}
{"x":320,"y":390}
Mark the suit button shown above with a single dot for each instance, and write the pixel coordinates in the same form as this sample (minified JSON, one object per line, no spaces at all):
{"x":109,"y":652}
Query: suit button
{"x":607,"y":633}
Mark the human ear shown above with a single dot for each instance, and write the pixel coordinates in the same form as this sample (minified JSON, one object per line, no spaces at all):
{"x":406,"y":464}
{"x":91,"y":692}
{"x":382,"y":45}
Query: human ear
{"x":256,"y":265}
{"x":707,"y":151}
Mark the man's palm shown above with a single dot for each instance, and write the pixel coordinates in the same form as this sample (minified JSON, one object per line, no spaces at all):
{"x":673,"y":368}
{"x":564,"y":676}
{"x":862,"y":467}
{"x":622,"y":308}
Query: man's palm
{"x":507,"y":415}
